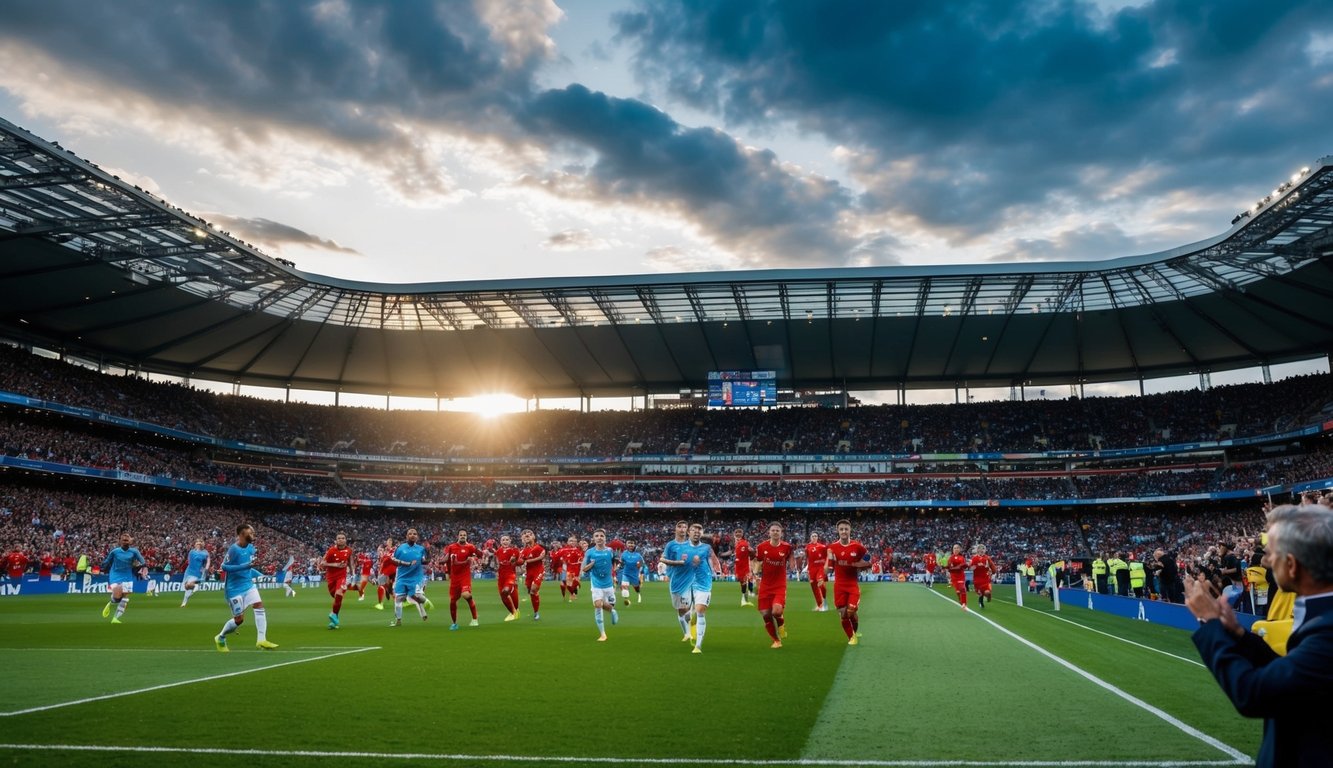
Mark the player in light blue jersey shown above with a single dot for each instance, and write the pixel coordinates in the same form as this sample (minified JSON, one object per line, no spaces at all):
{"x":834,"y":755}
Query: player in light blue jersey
{"x":598,"y":565}
{"x":196,"y":565}
{"x":703,"y":563}
{"x":120,"y":565}
{"x":239,"y":567}
{"x":680,"y":578}
{"x":632,"y":570}
{"x":410,"y":581}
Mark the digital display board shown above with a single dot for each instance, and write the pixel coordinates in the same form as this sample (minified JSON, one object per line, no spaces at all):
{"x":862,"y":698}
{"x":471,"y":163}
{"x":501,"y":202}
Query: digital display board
{"x":742,"y":389}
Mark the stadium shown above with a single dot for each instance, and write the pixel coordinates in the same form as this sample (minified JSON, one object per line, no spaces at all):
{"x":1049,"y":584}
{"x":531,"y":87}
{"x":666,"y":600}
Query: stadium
{"x":135,"y":334}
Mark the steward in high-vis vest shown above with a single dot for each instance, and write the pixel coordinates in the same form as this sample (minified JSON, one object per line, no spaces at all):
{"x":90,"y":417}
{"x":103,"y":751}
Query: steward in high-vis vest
{"x":1099,"y":572}
{"x":1053,"y":576}
{"x":1137,"y":577}
{"x":1119,"y":574}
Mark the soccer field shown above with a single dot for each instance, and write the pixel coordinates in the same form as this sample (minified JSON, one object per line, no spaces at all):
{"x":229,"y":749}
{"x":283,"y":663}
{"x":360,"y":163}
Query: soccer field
{"x":929,"y":685}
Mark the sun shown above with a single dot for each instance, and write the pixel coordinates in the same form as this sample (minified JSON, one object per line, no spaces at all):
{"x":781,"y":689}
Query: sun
{"x":490,"y":406}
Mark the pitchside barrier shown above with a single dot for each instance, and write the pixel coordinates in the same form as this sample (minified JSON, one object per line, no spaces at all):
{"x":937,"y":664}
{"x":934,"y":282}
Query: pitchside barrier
{"x":1152,"y":611}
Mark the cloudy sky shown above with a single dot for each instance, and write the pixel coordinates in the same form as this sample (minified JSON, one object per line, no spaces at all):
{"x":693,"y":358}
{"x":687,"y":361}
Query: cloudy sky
{"x":409,"y":141}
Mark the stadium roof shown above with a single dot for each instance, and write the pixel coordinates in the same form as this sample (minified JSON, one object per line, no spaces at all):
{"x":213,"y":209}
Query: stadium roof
{"x":98,"y":267}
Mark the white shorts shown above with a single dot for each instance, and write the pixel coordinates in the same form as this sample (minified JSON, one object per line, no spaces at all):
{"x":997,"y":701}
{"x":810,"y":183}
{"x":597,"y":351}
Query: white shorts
{"x":702,"y":598}
{"x":605,"y":594}
{"x":682,"y":601}
{"x":126,"y":587}
{"x":243,"y":601}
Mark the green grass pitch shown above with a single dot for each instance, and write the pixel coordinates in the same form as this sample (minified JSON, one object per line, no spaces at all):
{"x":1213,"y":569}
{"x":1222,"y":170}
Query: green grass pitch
{"x":929,"y":684}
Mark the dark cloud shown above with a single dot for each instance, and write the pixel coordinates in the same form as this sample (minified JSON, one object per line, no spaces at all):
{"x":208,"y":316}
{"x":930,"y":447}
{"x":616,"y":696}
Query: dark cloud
{"x":1092,"y":242}
{"x":744,"y":198}
{"x":274,"y":234}
{"x":964,"y":114}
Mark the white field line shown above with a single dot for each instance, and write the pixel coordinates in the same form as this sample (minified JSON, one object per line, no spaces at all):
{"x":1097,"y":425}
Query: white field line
{"x":309,"y":649}
{"x":1239,"y":758}
{"x":449,"y":757}
{"x":1108,"y":634}
{"x":237,"y":673}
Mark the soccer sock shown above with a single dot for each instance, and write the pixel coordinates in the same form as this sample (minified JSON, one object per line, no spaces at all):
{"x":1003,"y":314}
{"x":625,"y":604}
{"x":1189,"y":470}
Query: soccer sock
{"x":962,"y":598}
{"x":597,"y":617}
{"x":398,"y":609}
{"x":536,"y":602}
{"x":287,"y":586}
{"x":781,"y":621}
{"x":121,"y":606}
{"x":453,"y":611}
{"x":814,"y":588}
{"x":185,"y":598}
{"x":379,"y":594}
{"x":856,"y":621}
{"x":771,"y":627}
{"x":684,"y":622}
{"x":228,"y":628}
{"x":261,"y":623}
{"x":563,"y":591}
{"x":472,"y":606}
{"x":823,"y":593}
{"x":699,"y":626}
{"x":421,"y":606}
{"x":337,"y":603}
{"x":847,"y":627}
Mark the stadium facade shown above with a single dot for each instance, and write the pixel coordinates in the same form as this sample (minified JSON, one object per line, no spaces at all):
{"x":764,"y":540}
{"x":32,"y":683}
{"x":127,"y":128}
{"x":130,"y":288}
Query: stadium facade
{"x":95,"y":266}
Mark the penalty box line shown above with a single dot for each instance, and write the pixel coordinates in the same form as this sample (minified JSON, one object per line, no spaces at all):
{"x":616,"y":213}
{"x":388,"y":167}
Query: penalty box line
{"x":447,"y":757}
{"x":1238,"y":757}
{"x":179,"y":683}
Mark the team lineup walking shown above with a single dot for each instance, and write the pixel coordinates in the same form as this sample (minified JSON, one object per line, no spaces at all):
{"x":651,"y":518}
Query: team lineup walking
{"x":689,"y":564}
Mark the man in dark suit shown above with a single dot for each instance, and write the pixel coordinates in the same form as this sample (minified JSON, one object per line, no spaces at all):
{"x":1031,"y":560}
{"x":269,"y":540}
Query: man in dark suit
{"x":1290,"y":692}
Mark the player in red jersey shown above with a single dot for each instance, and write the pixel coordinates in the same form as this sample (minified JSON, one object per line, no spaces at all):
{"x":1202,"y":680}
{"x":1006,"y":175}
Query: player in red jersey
{"x":775,"y":560}
{"x":460,"y":557}
{"x":16,"y":563}
{"x":740,"y":549}
{"x":848,"y":557}
{"x":982,"y":568}
{"x":932,"y":563}
{"x":364,"y":563}
{"x":573,"y":559}
{"x":506,"y":575}
{"x":337,"y":565}
{"x":533,"y":556}
{"x":957,"y":568}
{"x":816,"y":564}
{"x":388,"y":569}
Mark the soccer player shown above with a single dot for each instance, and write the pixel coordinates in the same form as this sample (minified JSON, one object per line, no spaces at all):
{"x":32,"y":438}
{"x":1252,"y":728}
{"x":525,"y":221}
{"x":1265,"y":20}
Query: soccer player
{"x":775,"y":558}
{"x":816,"y":563}
{"x":408,"y":563}
{"x":932,"y":563}
{"x":533,"y":556}
{"x":337,"y":566}
{"x":982,"y":569}
{"x":120,"y":565}
{"x":740,"y":548}
{"x":703,"y":564}
{"x":506,"y":575}
{"x":849,"y":557}
{"x":957,"y":568}
{"x":680,"y":577}
{"x":460,"y":557}
{"x":365,"y":562}
{"x":632,"y":570}
{"x":239,"y":567}
{"x":388,"y":568}
{"x":288,"y":572}
{"x":196,"y":565}
{"x":598,"y":562}
{"x":557,"y":551}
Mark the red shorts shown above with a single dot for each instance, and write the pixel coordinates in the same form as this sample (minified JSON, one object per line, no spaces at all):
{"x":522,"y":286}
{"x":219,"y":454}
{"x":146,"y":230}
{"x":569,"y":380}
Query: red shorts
{"x":743,"y":576}
{"x":959,"y":585}
{"x":534,"y":580}
{"x":458,"y":585}
{"x":981,"y":586}
{"x":336,"y":580}
{"x":572,"y":581}
{"x":819,"y":575}
{"x":770,"y":597}
{"x":846,"y":594}
{"x":508,"y":582}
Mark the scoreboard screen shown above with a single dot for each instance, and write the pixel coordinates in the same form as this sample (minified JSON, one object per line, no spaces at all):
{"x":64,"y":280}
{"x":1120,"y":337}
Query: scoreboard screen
{"x":742,"y":389}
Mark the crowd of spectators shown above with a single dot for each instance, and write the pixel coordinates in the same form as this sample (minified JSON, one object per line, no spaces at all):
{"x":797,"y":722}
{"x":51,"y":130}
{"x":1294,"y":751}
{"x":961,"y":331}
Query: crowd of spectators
{"x":1074,"y":424}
